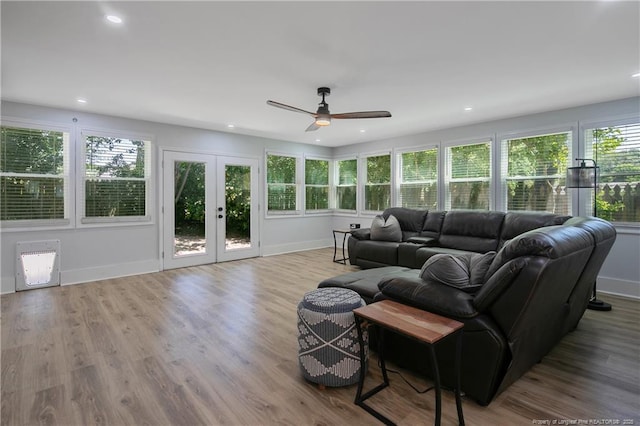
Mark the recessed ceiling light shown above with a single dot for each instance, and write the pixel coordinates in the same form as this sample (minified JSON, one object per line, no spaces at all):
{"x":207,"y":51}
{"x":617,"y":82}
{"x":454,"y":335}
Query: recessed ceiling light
{"x":113,"y":18}
{"x":468,"y":108}
{"x":231,"y":126}
{"x":362,"y":130}
{"x":317,"y":140}
{"x":636,"y":74}
{"x":81,"y":101}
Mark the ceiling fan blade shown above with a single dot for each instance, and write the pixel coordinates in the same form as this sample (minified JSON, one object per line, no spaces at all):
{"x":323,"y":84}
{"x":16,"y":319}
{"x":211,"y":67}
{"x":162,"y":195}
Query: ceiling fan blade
{"x":312,"y":127}
{"x":290,"y":108}
{"x":362,"y":114}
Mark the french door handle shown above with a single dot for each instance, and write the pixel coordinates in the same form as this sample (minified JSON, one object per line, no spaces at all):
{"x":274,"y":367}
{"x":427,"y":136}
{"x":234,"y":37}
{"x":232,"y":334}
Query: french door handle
{"x":220,"y":216}
{"x":220,"y":209}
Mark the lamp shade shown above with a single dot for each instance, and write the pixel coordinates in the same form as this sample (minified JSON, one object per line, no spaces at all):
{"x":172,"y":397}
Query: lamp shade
{"x":581,"y":177}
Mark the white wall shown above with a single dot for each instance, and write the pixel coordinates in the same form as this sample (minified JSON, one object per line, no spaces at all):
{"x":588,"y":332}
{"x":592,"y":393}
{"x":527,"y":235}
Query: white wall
{"x":621,"y":272}
{"x":96,"y":253}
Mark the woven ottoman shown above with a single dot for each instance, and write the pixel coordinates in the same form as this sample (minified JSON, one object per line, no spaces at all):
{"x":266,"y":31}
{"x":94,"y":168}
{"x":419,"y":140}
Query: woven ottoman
{"x":329,"y":352}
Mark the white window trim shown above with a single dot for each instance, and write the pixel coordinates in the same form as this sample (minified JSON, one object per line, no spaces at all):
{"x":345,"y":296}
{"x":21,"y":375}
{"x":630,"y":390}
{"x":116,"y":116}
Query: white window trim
{"x":396,"y":158}
{"x":500,"y":199}
{"x":69,"y":196}
{"x":631,"y":228}
{"x":336,"y":179}
{"x":445,"y":168}
{"x":150,"y":198}
{"x":318,"y":212}
{"x":362,"y":181}
{"x":275,"y":214}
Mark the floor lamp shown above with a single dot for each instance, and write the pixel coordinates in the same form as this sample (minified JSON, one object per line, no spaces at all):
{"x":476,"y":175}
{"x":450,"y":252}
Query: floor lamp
{"x":585,"y":176}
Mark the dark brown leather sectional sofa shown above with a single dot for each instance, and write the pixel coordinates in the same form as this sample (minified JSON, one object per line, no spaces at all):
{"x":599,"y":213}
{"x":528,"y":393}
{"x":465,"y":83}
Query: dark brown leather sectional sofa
{"x":535,"y":291}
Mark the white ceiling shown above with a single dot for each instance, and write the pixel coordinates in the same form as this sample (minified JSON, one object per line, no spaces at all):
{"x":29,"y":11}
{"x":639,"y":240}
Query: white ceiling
{"x":210,"y":64}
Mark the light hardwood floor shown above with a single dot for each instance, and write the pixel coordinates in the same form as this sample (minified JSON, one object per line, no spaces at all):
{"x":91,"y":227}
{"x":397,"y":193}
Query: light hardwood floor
{"x":216,"y":344}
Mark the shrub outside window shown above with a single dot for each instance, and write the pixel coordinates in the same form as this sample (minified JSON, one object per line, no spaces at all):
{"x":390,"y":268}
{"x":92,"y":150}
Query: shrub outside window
{"x":316,"y":184}
{"x":536,"y":170}
{"x":419,"y":179}
{"x":33,"y":176}
{"x":616,"y":149}
{"x":282,"y":187}
{"x":377,"y":189}
{"x":468,"y":176}
{"x":116,"y":178}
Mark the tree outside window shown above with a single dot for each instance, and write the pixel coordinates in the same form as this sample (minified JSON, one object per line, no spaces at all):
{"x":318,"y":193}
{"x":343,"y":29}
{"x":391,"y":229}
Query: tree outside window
{"x":377,"y":189}
{"x":316,"y":184}
{"x":347,"y":184}
{"x":33,"y":174}
{"x":419,"y":179}
{"x":468,"y":176}
{"x":116,"y":177}
{"x":281,"y":184}
{"x":616,"y":149}
{"x":536,"y":172}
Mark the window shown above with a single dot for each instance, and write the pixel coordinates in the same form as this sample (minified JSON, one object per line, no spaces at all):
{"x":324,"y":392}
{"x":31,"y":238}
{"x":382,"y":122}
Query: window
{"x":282,"y":186}
{"x":535,"y":170}
{"x":616,"y":149}
{"x":34,"y":174}
{"x":468,"y":176}
{"x":377,"y":187}
{"x":116,"y":178}
{"x":316,"y":181}
{"x":419,"y":179}
{"x":347,"y":181}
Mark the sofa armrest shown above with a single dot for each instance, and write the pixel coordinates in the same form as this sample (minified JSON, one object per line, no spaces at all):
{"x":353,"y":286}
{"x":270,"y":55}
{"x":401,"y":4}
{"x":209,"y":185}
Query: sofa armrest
{"x":498,"y":283}
{"x":433,"y":297}
{"x":425,"y":241}
{"x":361,"y":234}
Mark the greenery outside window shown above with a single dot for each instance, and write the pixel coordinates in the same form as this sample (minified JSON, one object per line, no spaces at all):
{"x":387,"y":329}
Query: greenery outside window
{"x":535,"y":170}
{"x":347,"y":184}
{"x":377,"y":187}
{"x":419,"y":179}
{"x":468,"y":176}
{"x":116,"y":179}
{"x":616,"y":149}
{"x":316,"y":174}
{"x":282,"y":186}
{"x":34,"y":176}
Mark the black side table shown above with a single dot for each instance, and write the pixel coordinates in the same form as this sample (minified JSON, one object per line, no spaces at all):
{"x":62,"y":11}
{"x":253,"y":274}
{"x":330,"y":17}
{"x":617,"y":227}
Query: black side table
{"x":422,"y":326}
{"x":335,"y":245}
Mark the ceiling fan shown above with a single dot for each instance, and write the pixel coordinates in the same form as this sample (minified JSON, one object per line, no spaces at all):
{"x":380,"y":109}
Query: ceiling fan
{"x":323,"y":116}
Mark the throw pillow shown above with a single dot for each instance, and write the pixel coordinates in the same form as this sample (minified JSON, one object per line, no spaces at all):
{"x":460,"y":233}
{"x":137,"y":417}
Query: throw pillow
{"x":465,"y":272}
{"x":386,"y":230}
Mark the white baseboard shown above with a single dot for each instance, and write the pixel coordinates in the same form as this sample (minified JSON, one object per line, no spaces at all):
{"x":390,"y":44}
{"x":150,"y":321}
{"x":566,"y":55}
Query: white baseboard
{"x":294,"y":247}
{"x":78,"y":276}
{"x":618,"y":287}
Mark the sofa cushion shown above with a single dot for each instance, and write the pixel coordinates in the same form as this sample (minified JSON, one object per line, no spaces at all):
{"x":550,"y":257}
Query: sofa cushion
{"x":516,"y":223}
{"x":465,"y":272}
{"x":386,"y":230}
{"x":411,"y":220}
{"x":477,"y":231}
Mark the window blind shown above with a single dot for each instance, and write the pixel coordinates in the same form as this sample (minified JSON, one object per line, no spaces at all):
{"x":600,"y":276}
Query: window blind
{"x":616,"y":149}
{"x":346,"y":187}
{"x":377,"y":189}
{"x":33,"y":174}
{"x":116,"y":177}
{"x":419,"y":179}
{"x":468,"y":176}
{"x":536,"y":170}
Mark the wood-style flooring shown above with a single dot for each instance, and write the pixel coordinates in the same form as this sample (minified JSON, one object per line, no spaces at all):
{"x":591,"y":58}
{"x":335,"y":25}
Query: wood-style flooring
{"x":216,"y":345}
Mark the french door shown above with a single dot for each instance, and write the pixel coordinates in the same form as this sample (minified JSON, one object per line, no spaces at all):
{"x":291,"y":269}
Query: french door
{"x":210,"y":209}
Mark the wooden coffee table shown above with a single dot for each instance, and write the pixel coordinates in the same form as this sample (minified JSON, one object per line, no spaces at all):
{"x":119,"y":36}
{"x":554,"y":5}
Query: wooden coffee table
{"x":425,"y":327}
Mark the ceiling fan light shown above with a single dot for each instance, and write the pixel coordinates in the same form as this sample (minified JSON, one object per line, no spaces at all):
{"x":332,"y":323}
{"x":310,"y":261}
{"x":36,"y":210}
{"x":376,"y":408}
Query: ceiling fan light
{"x":323,"y":120}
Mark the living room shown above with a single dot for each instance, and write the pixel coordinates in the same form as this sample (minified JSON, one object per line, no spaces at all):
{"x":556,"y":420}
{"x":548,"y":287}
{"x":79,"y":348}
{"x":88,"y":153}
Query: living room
{"x":101,"y":248}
